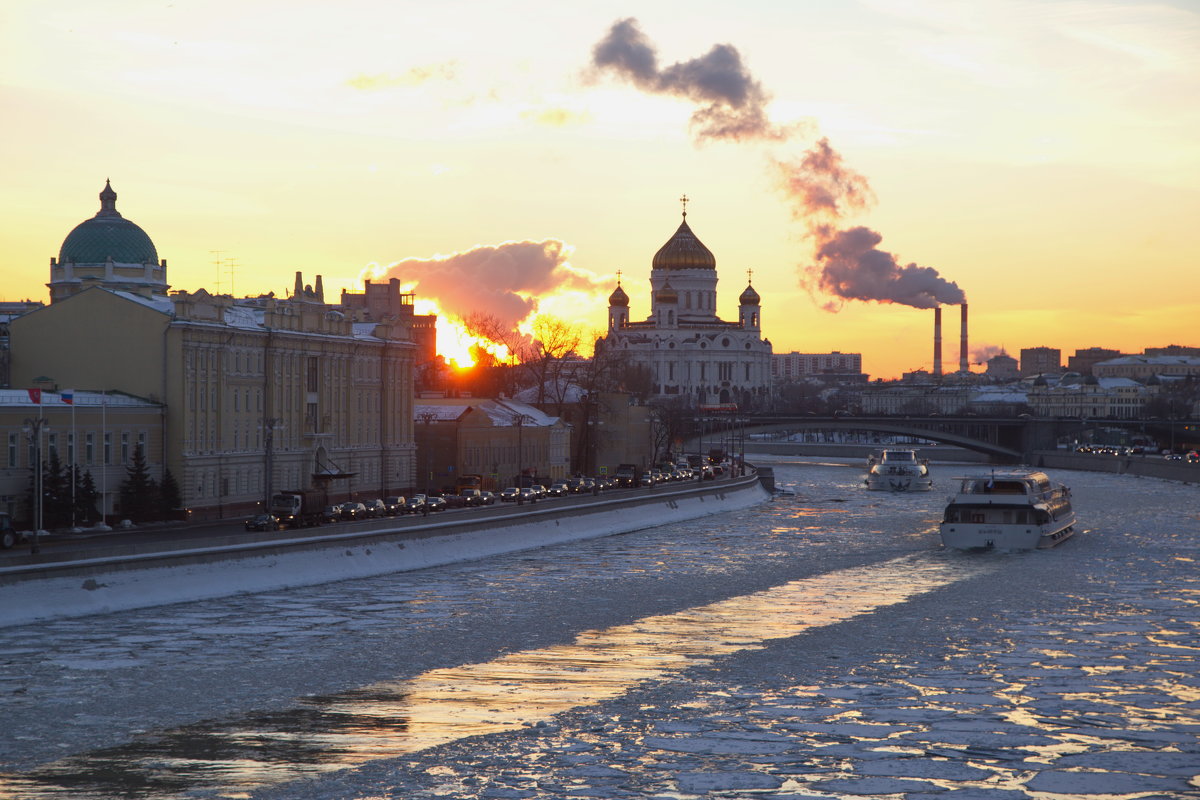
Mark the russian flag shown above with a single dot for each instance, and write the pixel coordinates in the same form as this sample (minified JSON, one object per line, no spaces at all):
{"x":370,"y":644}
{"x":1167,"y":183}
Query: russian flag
{"x":68,"y":396}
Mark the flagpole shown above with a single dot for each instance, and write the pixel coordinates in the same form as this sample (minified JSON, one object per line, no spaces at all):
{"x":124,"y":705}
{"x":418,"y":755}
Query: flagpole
{"x":103,"y":460}
{"x":74,"y":448}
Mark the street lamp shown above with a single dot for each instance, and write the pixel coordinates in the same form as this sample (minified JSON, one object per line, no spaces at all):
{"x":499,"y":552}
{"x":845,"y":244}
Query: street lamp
{"x":428,"y":417}
{"x":33,"y":429}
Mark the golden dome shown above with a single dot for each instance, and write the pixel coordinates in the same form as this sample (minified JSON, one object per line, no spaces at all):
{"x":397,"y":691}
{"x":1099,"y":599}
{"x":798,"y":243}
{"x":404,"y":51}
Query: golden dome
{"x":684,"y":251}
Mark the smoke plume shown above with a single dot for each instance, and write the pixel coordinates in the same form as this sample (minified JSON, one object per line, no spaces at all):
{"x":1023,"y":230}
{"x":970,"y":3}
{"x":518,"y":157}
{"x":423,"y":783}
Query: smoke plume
{"x":983,"y":353}
{"x":505,"y":280}
{"x":732,"y":105}
{"x":821,"y":189}
{"x":850,"y":266}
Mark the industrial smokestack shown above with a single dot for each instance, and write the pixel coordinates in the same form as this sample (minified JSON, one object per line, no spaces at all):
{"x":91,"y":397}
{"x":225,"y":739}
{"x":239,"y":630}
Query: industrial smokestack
{"x":937,"y":342}
{"x":964,"y":365}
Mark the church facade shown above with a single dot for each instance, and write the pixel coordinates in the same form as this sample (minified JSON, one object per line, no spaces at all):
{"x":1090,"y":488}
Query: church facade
{"x":693,"y":357}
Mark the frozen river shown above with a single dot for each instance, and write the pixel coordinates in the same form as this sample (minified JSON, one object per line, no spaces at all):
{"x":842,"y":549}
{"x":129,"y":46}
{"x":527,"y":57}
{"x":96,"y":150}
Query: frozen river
{"x":818,"y":646}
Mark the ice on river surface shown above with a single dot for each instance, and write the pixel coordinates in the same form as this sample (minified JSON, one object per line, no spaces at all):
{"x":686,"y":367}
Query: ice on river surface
{"x":822,"y":645}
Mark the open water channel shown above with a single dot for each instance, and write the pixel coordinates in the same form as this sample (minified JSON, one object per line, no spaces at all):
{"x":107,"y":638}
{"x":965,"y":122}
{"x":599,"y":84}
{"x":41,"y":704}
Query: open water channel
{"x":822,"y":645}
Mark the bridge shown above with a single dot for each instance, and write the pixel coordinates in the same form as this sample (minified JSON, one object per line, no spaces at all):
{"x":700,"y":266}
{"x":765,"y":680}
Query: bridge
{"x":1002,"y":439}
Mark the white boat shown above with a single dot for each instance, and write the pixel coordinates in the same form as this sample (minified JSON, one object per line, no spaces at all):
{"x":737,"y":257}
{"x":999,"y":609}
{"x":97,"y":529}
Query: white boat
{"x":898,"y":471}
{"x":1010,"y":510}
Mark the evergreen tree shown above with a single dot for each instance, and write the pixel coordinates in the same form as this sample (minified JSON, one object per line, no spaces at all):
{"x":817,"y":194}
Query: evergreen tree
{"x":138,"y":493}
{"x":86,"y":496}
{"x":56,"y":493}
{"x":169,"y":496}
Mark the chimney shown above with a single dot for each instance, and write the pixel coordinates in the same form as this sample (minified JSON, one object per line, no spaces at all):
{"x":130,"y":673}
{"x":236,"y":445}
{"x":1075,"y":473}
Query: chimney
{"x":299,"y":291}
{"x":937,"y":342}
{"x":964,"y":363}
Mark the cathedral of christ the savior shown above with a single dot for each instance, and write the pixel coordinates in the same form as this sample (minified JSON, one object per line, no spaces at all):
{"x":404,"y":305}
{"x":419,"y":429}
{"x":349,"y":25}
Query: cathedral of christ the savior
{"x":693,"y":356}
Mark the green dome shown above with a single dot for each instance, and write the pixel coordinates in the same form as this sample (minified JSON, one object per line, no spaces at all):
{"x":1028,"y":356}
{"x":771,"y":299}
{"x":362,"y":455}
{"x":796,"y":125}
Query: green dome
{"x":107,"y":235}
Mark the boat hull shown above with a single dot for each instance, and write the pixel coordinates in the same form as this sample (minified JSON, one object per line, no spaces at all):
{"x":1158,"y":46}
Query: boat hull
{"x":1009,"y":537}
{"x":899,"y":483}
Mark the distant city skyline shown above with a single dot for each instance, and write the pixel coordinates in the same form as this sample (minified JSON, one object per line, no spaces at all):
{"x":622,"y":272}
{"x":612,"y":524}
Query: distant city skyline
{"x":1035,"y":159}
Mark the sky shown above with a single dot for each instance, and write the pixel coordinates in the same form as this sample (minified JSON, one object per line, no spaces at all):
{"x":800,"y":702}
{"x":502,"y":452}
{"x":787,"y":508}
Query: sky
{"x":860,"y":162}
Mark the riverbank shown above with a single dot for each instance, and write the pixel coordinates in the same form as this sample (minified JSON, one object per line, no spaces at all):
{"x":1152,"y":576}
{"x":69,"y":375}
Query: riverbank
{"x":152,"y":576}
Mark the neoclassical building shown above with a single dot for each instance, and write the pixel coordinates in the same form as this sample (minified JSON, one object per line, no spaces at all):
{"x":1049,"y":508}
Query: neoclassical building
{"x":692,"y":354}
{"x":261,"y":394}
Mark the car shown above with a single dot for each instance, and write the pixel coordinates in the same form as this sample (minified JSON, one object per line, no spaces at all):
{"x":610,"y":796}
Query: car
{"x":376,"y":508}
{"x":538,"y":490}
{"x":556,"y":490}
{"x":395,"y":505}
{"x":330,"y":514}
{"x":435,"y":503}
{"x":263,"y":522}
{"x":471,"y":497}
{"x":575,"y":485}
{"x":510,"y":494}
{"x":1193,"y":457}
{"x":351,"y":511}
{"x":415,"y":504}
{"x":489,"y":498}
{"x":8,"y":534}
{"x":526,"y":495}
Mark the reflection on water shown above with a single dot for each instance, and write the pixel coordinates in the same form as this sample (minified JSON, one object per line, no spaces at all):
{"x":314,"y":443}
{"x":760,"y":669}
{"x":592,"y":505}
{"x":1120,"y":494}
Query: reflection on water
{"x":511,"y":692}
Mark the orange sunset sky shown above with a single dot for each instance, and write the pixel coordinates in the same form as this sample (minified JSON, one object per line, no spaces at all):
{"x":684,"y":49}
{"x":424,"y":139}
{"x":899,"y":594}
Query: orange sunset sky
{"x":1040,"y":156}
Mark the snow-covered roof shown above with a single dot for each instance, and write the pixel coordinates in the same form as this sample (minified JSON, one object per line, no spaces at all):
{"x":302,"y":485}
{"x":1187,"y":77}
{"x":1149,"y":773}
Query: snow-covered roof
{"x":501,"y":412}
{"x":239,"y":316}
{"x":161,"y":304}
{"x":1157,"y":361}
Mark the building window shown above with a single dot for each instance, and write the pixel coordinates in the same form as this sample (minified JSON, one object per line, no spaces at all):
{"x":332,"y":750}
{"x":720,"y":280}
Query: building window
{"x":70,"y":448}
{"x":53,"y":443}
{"x":12,"y":449}
{"x":124,"y":448}
{"x":89,"y":448}
{"x":107,"y":448}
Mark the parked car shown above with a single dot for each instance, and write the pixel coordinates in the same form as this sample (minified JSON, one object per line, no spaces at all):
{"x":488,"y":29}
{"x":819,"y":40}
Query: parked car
{"x":351,"y":511}
{"x":395,"y":505}
{"x":263,"y":522}
{"x":8,"y":534}
{"x":375,"y":508}
{"x":510,"y":494}
{"x":489,"y":498}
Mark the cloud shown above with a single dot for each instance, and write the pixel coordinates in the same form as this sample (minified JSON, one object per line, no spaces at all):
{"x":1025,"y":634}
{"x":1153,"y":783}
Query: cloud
{"x":555,"y":116}
{"x":413,"y":77}
{"x":851,"y":266}
{"x":732,"y":105}
{"x":504,"y":280}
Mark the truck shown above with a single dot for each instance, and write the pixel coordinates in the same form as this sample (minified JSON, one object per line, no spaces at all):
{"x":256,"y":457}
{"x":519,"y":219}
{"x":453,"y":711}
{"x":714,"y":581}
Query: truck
{"x":298,"y":509}
{"x":629,"y":475}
